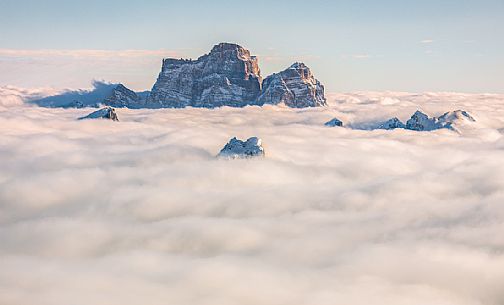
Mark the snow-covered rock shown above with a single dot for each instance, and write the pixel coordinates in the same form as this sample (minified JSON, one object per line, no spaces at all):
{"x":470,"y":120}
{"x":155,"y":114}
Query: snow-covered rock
{"x":334,"y":123}
{"x":295,"y":87}
{"x":455,"y":119}
{"x":456,"y":116}
{"x":421,"y":122}
{"x":104,"y":113}
{"x":392,"y":124}
{"x":227,"y":76}
{"x":238,"y":149}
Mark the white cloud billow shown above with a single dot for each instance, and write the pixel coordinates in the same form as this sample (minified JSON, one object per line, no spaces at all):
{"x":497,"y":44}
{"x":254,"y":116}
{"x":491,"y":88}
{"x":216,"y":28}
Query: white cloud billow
{"x":140,"y":211}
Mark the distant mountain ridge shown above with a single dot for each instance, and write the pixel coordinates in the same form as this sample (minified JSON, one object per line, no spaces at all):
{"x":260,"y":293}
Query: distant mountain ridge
{"x":227,"y":76}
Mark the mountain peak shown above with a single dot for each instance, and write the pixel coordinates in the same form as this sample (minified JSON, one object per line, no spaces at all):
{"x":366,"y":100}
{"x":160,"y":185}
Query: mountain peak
{"x":226,"y":46}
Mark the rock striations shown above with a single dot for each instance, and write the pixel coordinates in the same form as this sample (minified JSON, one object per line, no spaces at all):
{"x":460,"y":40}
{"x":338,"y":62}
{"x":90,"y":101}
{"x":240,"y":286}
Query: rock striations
{"x":230,"y":76}
{"x":227,"y":76}
{"x":294,"y":87}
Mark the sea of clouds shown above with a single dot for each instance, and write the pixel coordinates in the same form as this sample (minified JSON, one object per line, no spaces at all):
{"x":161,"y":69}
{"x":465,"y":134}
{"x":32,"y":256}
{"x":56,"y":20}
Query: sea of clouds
{"x":141,"y":212}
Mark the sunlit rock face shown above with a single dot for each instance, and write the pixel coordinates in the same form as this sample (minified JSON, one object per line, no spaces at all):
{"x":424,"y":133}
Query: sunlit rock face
{"x":456,"y":116}
{"x":227,"y":76}
{"x":122,"y":97}
{"x":294,"y":87}
{"x":393,"y":123}
{"x":238,"y":149}
{"x":104,"y":113}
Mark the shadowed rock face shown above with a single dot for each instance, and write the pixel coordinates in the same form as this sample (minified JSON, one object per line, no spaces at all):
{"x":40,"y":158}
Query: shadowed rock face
{"x":334,"y":123}
{"x":419,"y":121}
{"x":227,"y":76}
{"x":123,"y":97}
{"x":295,"y":87}
{"x":393,"y":123}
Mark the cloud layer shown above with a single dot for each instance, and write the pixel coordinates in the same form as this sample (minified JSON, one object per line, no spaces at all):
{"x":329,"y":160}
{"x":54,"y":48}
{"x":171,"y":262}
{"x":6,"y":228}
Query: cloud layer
{"x":140,"y":211}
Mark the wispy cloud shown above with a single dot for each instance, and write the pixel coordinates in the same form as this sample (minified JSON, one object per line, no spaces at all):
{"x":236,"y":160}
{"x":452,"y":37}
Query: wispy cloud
{"x":84,"y":53}
{"x":427,"y":41}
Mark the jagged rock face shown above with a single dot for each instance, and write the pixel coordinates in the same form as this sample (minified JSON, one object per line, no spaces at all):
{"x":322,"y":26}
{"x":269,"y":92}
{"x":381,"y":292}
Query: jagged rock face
{"x":123,"y":97}
{"x":393,"y":123}
{"x":334,"y":123}
{"x":104,"y":113}
{"x":295,"y":87}
{"x":227,"y":76}
{"x":419,"y":121}
{"x":238,"y":149}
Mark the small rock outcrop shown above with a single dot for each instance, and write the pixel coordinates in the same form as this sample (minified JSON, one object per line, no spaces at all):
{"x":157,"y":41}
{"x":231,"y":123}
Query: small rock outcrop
{"x":104,"y":113}
{"x":334,"y":123}
{"x":421,"y":122}
{"x":238,"y":149}
{"x":122,"y":97}
{"x":294,"y":87}
{"x":227,"y":76}
{"x":393,"y":123}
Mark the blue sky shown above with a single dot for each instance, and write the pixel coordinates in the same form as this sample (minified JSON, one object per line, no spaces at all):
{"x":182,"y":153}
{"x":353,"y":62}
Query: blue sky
{"x":351,"y":45}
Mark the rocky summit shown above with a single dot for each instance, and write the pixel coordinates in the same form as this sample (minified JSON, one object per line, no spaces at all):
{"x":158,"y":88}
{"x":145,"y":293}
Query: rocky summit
{"x":104,"y":113}
{"x":294,"y":87}
{"x":238,"y":149}
{"x":122,"y":97}
{"x":456,"y":116}
{"x":419,"y":121}
{"x":230,"y":76}
{"x":393,"y":123}
{"x":227,"y":76}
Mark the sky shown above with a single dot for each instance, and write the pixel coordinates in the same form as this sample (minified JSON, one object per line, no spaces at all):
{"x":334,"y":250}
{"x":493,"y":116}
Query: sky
{"x":361,"y":45}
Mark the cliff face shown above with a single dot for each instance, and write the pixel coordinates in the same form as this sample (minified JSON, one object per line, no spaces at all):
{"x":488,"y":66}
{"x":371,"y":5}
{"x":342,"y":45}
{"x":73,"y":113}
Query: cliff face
{"x":295,"y":87}
{"x":227,"y":76}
